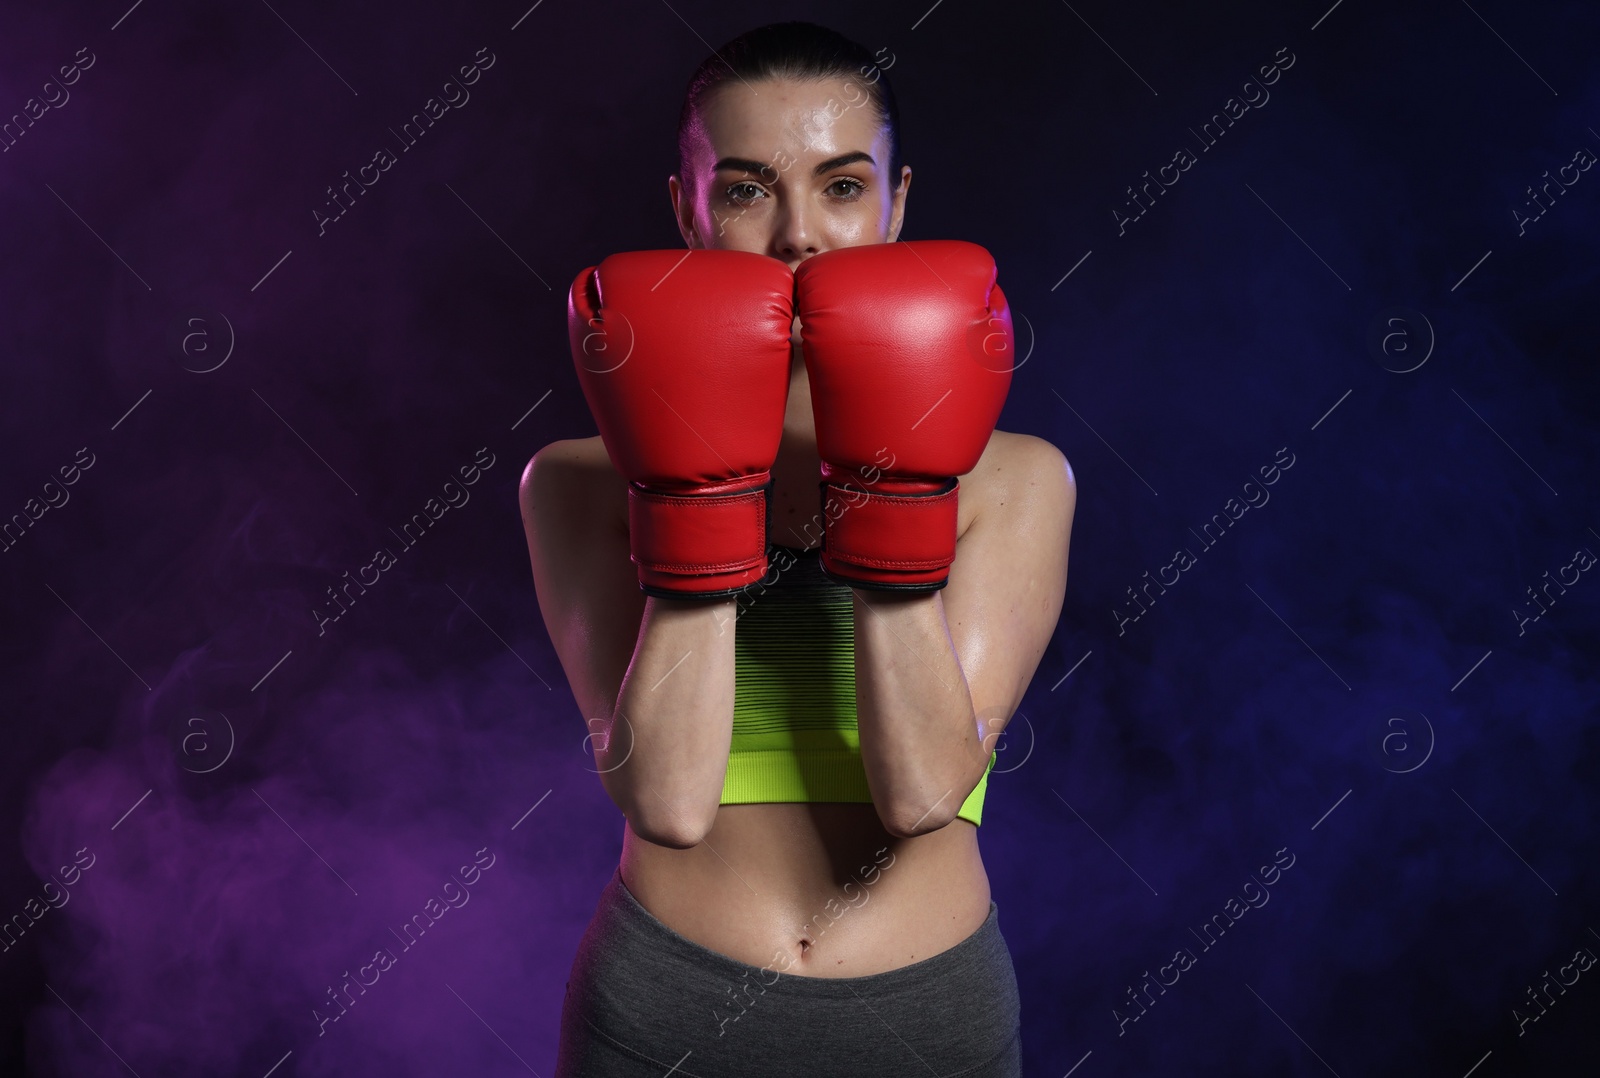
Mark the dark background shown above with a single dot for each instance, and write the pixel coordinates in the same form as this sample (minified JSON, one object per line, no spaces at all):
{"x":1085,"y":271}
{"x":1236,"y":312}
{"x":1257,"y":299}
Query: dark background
{"x":1343,"y":679}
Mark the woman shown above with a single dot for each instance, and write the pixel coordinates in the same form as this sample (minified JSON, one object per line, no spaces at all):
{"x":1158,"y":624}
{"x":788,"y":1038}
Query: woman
{"x":832,"y":919}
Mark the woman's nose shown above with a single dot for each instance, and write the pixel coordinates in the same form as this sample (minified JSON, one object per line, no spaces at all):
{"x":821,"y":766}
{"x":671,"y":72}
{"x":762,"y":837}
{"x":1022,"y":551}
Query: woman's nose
{"x":794,"y":240}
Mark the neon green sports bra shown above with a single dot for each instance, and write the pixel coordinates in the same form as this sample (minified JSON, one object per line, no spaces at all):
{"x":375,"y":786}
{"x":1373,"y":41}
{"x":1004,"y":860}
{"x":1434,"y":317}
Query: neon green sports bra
{"x":794,"y":705}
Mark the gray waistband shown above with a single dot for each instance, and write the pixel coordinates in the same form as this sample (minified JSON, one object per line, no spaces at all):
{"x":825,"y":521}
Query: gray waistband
{"x":624,"y":913}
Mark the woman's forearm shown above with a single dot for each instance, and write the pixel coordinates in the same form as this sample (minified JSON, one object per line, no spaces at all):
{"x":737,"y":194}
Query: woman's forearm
{"x":666,"y":755}
{"x":920,"y":741}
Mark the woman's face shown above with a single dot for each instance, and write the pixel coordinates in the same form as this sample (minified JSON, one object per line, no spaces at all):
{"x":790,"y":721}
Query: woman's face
{"x":789,"y":169}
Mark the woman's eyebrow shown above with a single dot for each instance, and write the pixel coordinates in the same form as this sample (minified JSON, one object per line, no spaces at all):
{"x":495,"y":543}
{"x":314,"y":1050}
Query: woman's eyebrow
{"x":746,"y":164}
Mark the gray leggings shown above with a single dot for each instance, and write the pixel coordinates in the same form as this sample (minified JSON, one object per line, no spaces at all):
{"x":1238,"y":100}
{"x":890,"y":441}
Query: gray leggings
{"x":643,"y":1000}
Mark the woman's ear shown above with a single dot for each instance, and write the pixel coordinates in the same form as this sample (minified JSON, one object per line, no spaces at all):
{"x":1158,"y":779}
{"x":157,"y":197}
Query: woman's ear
{"x":683,"y":212}
{"x":897,"y":203}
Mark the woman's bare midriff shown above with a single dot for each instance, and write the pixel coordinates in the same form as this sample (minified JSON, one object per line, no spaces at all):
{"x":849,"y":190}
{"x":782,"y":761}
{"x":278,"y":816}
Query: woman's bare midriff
{"x":814,"y":889}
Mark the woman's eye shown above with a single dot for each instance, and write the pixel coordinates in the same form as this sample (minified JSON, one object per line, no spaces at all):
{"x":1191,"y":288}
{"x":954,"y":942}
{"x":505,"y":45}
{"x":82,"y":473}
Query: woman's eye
{"x":847,"y":190}
{"x":743,"y":192}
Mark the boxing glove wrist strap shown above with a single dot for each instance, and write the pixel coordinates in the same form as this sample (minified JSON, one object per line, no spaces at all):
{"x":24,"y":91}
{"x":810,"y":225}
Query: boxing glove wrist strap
{"x":889,"y":541}
{"x":702,"y":545}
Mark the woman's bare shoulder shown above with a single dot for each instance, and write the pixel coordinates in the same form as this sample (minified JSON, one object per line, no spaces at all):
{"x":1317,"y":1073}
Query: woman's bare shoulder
{"x":576,"y":452}
{"x":574,"y":475}
{"x":1011,"y":457}
{"x":1014,"y":470}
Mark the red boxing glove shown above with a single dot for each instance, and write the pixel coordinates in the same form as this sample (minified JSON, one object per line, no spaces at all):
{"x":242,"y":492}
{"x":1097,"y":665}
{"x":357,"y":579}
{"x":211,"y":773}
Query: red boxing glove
{"x":684,"y":359}
{"x":909,"y":350}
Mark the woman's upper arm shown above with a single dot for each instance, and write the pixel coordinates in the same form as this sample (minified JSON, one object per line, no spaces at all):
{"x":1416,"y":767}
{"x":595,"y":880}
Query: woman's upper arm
{"x":1009,"y":578}
{"x":587,"y":589}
